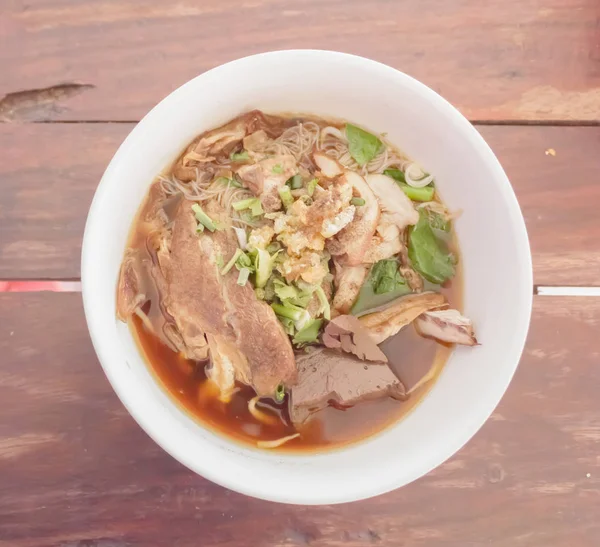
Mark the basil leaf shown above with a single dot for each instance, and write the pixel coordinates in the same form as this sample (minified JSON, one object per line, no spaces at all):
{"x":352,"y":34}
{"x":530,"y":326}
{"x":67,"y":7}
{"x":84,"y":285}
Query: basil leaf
{"x":428,"y":254}
{"x":363,"y":146}
{"x":384,"y":284}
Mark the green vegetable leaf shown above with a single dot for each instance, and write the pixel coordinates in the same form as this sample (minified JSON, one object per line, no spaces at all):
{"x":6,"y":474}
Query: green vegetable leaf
{"x":383,"y":284}
{"x":203,"y":218}
{"x":309,"y":333}
{"x":438,"y":222}
{"x":418,"y":194}
{"x":396,"y":174}
{"x":428,"y":254}
{"x":239,"y":156}
{"x":363,"y":146}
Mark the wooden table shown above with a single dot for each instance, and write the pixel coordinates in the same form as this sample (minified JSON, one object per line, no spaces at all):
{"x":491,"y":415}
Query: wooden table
{"x":75,"y":470}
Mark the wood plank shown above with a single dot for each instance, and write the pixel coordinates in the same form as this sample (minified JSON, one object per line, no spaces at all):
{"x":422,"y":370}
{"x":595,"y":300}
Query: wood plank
{"x":505,"y":60}
{"x":71,"y":455}
{"x":48,"y":174}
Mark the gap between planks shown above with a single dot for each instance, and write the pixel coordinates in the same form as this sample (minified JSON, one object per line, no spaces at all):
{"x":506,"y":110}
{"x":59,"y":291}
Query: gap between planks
{"x":72,"y":285}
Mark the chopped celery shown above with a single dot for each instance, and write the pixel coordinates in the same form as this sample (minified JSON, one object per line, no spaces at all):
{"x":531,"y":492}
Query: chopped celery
{"x":288,"y":325}
{"x":289,"y":311}
{"x":232,"y":261}
{"x":263,"y":264}
{"x":283,"y":290}
{"x":203,"y":218}
{"x":309,"y":333}
{"x":286,"y":196}
{"x":243,"y":276}
{"x":311,"y":185}
{"x":324,"y":308}
{"x":357,"y":201}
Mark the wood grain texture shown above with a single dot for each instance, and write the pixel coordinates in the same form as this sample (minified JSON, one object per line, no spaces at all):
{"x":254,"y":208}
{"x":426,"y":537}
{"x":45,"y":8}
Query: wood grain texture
{"x":77,"y":471}
{"x":48,"y":173}
{"x":494,"y":60}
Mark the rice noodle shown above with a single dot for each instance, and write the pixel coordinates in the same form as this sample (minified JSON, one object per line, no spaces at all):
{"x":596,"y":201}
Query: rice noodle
{"x":277,"y":442}
{"x":259,"y":415}
{"x":421,"y":179}
{"x":145,"y":319}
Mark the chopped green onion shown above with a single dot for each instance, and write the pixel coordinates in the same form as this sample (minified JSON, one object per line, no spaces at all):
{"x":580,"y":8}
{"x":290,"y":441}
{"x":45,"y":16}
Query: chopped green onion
{"x":310,"y":332}
{"x":277,"y":169}
{"x":203,"y":218}
{"x":357,"y":201}
{"x":295,"y":182}
{"x":288,"y":311}
{"x":232,"y":261}
{"x":239,"y":156}
{"x":219,"y":260}
{"x":324,"y":308}
{"x":251,"y":203}
{"x":310,"y":187}
{"x":260,"y":293}
{"x":280,"y":393}
{"x":243,"y":276}
{"x":286,"y":196}
{"x":200,"y":228}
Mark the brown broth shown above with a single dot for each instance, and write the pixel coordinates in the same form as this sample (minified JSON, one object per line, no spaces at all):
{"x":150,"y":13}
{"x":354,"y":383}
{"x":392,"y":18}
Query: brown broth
{"x":411,"y":356}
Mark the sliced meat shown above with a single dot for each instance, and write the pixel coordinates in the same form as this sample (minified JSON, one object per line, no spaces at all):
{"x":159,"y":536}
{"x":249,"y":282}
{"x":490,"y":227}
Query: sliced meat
{"x":131,"y":292}
{"x":346,"y":332}
{"x":327,"y":165}
{"x":202,"y":302}
{"x":389,"y":320}
{"x":446,"y":326}
{"x":328,"y":375}
{"x":393,"y":201}
{"x":348,"y":281}
{"x":265,"y":178}
{"x":351,"y":243}
{"x":220,"y":142}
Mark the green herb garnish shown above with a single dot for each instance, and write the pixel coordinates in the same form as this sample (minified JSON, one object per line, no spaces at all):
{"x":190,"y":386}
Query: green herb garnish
{"x":309,"y":333}
{"x":251,"y":203}
{"x":232,"y":261}
{"x":429,"y":254}
{"x":362,"y":145}
{"x":311,"y":186}
{"x":357,"y":201}
{"x":280,"y":393}
{"x":243,"y":276}
{"x":295,"y":182}
{"x":277,"y":169}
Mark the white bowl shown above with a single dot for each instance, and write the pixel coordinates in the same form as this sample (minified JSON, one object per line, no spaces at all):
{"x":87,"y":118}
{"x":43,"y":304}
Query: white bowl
{"x":491,"y":232}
